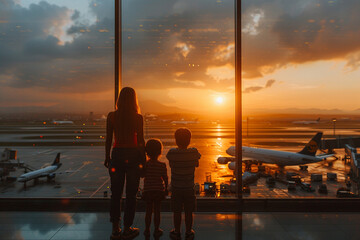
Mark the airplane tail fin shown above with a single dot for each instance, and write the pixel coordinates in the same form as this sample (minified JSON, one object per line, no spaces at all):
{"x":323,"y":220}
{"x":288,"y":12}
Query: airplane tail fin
{"x":57,"y":159}
{"x":313,"y":145}
{"x":318,"y":120}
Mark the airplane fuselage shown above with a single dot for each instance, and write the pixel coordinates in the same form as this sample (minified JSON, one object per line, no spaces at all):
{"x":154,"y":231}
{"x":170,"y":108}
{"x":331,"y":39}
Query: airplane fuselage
{"x":306,"y":122}
{"x":44,"y":172}
{"x":184,"y":122}
{"x":280,"y":158}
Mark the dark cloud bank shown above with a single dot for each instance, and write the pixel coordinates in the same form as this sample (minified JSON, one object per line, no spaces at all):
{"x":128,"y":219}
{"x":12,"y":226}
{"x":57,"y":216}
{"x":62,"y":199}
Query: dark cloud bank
{"x":168,"y":43}
{"x":251,"y":89}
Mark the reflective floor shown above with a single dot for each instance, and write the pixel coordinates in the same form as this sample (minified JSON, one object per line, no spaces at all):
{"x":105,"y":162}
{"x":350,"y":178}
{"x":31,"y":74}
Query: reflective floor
{"x":49,"y":225}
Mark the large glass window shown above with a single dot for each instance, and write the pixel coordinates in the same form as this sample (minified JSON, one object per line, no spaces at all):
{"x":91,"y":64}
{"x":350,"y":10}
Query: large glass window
{"x":179,"y":56}
{"x":300,"y":71}
{"x":300,"y":65}
{"x":57,"y":85}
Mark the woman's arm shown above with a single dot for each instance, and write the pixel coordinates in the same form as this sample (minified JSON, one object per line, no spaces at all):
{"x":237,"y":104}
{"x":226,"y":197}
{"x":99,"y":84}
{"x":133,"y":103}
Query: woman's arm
{"x":109,"y":138}
{"x":140,"y":131}
{"x":141,"y":143}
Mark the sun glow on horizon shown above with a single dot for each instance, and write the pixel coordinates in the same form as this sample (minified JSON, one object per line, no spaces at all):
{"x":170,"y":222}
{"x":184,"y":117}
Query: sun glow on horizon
{"x":219,"y":100}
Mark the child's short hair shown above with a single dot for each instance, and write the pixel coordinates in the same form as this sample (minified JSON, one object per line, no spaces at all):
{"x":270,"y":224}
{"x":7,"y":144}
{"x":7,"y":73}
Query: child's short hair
{"x":182,"y":137}
{"x":153,"y":148}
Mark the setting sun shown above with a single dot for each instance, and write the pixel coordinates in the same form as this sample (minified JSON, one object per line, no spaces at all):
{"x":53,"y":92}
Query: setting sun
{"x":219,"y":100}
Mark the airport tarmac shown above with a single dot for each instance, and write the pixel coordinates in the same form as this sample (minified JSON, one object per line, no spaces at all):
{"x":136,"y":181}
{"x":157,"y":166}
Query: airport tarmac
{"x":82,"y":153}
{"x":87,"y":175}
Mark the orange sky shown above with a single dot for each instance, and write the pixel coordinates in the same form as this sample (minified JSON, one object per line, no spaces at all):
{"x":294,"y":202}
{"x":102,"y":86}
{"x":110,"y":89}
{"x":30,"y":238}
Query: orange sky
{"x":296,"y":54}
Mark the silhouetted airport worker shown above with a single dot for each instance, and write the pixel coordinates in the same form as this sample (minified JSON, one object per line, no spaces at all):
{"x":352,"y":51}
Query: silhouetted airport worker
{"x":127,"y":160}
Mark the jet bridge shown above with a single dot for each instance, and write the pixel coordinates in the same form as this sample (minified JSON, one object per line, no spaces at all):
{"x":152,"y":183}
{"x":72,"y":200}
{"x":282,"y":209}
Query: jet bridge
{"x":339,"y":142}
{"x":354,"y":161}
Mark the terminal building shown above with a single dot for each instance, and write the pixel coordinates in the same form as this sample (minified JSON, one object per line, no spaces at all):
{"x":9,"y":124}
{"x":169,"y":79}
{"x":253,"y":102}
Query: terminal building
{"x":354,"y":161}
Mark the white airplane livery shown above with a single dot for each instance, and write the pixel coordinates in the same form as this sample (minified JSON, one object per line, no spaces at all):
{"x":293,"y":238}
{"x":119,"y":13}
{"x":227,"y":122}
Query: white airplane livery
{"x":182,"y":121}
{"x":306,"y":122}
{"x":62,"y":122}
{"x":281,"y":158}
{"x":43,"y":172}
{"x":249,"y":177}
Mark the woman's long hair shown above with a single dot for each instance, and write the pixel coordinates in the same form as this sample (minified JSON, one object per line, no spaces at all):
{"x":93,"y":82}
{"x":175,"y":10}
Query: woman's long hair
{"x":127,"y":102}
{"x":127,"y":108}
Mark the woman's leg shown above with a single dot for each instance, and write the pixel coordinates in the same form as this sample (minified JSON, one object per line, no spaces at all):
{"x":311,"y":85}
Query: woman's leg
{"x":132,"y":185}
{"x":117,"y":178}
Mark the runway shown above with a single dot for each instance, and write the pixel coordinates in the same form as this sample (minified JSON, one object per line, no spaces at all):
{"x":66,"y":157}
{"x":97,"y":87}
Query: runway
{"x":82,"y":155}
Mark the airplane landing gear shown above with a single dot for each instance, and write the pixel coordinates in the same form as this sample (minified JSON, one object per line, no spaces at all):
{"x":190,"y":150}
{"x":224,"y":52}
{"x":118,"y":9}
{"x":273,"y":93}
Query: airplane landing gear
{"x":248,"y":167}
{"x":281,"y":168}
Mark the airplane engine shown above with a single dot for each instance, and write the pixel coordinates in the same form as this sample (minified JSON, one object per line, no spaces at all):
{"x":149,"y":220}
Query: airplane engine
{"x":51,"y":176}
{"x":231,"y":151}
{"x":224,"y":160}
{"x":231,"y":166}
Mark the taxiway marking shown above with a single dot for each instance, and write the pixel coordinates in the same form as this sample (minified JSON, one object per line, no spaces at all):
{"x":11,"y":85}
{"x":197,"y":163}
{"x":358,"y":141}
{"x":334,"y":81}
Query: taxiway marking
{"x":84,"y":164}
{"x":100,"y":187}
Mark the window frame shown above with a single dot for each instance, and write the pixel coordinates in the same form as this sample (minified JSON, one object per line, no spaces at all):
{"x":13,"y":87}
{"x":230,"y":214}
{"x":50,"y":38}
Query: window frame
{"x":239,"y":203}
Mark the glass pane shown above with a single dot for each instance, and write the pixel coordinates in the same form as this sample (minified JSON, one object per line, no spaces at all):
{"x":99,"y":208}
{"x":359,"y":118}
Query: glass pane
{"x":301,"y":65}
{"x":179,"y":56}
{"x":56,"y":86}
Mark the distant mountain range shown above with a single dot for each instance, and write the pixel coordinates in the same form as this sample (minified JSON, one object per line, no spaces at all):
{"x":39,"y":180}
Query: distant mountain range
{"x":151,"y":106}
{"x":316,"y":111}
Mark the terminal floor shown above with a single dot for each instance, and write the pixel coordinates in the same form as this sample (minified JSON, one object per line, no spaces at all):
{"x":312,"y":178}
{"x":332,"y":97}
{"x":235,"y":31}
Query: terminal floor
{"x":50,"y":225}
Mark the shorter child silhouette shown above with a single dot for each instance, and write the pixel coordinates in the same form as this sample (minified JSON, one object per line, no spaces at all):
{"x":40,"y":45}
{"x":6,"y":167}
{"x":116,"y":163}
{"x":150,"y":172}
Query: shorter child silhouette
{"x":155,"y":186}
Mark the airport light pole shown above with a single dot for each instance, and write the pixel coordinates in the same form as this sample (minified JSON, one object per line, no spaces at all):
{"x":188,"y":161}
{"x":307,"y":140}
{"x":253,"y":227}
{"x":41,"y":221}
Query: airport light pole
{"x":334,"y":121}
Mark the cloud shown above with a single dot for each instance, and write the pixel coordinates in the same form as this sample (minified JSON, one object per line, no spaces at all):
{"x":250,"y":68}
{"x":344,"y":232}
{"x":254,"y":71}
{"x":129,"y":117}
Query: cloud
{"x":33,"y":53}
{"x":268,"y":84}
{"x":57,"y":49}
{"x":195,"y":83}
{"x":220,"y":73}
{"x":177,"y":37}
{"x":53,"y":47}
{"x":353,"y":61}
{"x":279,"y":33}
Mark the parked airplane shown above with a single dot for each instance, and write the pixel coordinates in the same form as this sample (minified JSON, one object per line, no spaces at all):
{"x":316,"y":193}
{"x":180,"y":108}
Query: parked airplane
{"x":281,"y":158}
{"x":249,"y":177}
{"x":307,"y":122}
{"x":57,"y":122}
{"x":48,"y":172}
{"x":182,"y":121}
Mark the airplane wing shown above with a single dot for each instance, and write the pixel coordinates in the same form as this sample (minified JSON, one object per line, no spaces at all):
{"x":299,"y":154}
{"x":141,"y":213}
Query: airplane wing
{"x":322,"y":156}
{"x":67,"y":172}
{"x":250,"y":160}
{"x":226,"y":160}
{"x":53,"y":173}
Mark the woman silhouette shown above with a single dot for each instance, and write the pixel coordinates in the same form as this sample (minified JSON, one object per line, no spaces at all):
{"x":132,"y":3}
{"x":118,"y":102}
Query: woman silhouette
{"x":127,"y":159}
